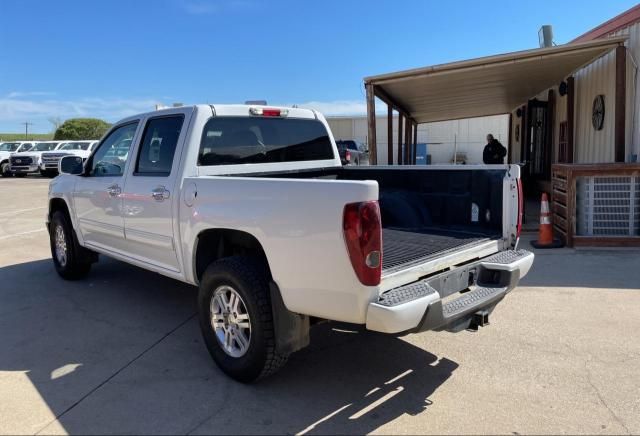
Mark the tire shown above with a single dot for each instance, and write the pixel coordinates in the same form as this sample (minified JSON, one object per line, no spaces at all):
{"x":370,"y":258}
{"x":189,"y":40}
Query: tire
{"x":4,"y":169}
{"x":48,"y":173}
{"x":19,"y":175}
{"x":76,"y":261}
{"x":248,"y":278}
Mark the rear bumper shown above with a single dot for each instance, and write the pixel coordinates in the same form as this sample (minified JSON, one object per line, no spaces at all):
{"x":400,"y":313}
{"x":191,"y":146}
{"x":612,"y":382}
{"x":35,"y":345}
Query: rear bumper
{"x":436,"y":303}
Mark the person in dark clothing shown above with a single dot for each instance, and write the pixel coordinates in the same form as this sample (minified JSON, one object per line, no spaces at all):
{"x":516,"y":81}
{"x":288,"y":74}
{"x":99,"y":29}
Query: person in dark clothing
{"x":494,"y":152}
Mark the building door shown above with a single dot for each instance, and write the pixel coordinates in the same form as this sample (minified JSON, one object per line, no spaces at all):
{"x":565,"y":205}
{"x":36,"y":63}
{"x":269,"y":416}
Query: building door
{"x":537,"y":150}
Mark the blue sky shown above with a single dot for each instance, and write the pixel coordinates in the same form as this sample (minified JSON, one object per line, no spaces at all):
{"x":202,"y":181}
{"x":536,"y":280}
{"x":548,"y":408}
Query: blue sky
{"x":109,"y":59}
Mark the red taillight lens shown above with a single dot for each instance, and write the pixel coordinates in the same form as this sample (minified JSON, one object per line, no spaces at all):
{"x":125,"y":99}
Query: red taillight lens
{"x":520,"y":206}
{"x":347,"y":156}
{"x":363,"y":235}
{"x":270,"y":112}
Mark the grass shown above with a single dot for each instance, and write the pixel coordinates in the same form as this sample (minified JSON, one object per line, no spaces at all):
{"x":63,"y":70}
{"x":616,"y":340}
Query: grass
{"x":6,"y":137}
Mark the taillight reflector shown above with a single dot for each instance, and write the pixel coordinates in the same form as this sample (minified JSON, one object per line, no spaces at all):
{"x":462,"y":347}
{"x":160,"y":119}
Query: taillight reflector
{"x":347,"y":156}
{"x":363,"y":236}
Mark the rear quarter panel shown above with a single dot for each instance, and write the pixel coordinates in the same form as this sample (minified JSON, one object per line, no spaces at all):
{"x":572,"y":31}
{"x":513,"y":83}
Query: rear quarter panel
{"x":299,"y":225}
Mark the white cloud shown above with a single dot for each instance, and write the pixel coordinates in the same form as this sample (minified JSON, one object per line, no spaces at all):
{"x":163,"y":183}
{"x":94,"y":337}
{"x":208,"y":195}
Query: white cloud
{"x":337,"y":107}
{"x":19,"y":94}
{"x":15,"y":110}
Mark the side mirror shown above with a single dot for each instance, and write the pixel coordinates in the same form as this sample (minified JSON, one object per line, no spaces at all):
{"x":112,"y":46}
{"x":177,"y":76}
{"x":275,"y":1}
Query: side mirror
{"x":71,"y":165}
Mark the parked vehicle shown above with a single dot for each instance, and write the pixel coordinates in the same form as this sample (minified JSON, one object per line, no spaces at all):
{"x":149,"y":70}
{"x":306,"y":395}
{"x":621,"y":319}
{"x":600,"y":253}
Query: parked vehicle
{"x":29,"y":162}
{"x":6,"y":150}
{"x":252,"y":204}
{"x":352,"y":152}
{"x":51,"y":159}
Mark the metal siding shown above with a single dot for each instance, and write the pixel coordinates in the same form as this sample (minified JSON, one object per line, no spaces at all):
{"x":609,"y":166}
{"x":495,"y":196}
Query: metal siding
{"x":632,"y":138}
{"x":596,"y":78}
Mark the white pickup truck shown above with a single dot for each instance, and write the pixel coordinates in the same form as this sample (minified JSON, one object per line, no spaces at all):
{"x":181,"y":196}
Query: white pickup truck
{"x":49,"y":160}
{"x":9,"y":148}
{"x":30,"y":162}
{"x":251,"y":204}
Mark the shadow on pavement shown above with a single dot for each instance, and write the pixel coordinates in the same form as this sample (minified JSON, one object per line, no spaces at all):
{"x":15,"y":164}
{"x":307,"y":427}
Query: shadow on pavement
{"x":120,"y":352}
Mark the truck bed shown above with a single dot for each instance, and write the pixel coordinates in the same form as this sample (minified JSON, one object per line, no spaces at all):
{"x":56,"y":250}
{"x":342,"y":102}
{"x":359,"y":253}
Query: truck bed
{"x":403,"y":248}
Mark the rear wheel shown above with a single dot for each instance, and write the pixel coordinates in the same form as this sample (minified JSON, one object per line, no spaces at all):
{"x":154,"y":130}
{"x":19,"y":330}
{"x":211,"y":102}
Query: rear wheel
{"x":71,"y":261}
{"x":4,"y":169}
{"x":236,"y":318}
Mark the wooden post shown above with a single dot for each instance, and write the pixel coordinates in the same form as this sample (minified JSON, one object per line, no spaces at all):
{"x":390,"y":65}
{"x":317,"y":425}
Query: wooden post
{"x":389,"y":134}
{"x":620,"y":103}
{"x":371,"y":117}
{"x":548,"y":150}
{"x":400,"y":120}
{"x":571,"y":100}
{"x":415,"y":141}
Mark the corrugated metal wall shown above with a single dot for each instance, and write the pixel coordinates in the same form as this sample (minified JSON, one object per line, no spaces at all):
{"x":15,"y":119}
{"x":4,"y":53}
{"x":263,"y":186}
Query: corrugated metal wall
{"x":632,"y":137}
{"x":469,"y":134}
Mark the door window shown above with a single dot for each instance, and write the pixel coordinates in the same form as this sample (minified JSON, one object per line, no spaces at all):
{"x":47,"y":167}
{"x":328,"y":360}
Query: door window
{"x":111,"y":156}
{"x":158,"y":146}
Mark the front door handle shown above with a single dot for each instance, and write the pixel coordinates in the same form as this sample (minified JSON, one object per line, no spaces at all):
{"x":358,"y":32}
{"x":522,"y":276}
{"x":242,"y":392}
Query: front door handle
{"x":160,"y":193}
{"x":114,"y":190}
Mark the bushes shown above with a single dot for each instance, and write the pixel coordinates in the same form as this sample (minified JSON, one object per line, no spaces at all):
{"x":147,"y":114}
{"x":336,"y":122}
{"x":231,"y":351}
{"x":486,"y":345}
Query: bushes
{"x":81,"y":128}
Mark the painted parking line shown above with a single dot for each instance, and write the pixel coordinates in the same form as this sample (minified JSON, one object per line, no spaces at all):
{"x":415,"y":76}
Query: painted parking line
{"x":16,"y":235}
{"x":15,"y":212}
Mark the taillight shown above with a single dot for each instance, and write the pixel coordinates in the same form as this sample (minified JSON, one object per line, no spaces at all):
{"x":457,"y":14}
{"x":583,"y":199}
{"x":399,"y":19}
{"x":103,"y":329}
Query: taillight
{"x":268,"y":112}
{"x":520,"y":207}
{"x":363,"y":235}
{"x":347,"y":156}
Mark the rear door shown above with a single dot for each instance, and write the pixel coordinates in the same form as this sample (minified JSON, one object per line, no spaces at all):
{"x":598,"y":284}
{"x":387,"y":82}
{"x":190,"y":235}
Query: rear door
{"x":150,"y":192}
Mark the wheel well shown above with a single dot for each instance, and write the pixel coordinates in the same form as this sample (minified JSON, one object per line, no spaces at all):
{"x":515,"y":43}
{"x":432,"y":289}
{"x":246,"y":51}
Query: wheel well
{"x":216,"y":244}
{"x":56,"y":204}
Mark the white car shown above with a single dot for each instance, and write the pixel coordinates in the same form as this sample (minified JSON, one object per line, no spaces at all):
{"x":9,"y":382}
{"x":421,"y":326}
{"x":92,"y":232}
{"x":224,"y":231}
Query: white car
{"x":50,"y":159}
{"x":9,"y":148}
{"x":29,"y":162}
{"x":252,"y":204}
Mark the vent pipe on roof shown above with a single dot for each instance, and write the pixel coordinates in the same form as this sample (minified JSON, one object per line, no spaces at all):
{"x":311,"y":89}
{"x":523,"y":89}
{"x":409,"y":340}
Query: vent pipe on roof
{"x":545,"y":36}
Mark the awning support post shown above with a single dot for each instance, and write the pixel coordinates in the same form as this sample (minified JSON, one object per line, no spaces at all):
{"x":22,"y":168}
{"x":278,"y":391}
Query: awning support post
{"x":400,"y":121}
{"x":389,"y":134}
{"x":371,"y":121}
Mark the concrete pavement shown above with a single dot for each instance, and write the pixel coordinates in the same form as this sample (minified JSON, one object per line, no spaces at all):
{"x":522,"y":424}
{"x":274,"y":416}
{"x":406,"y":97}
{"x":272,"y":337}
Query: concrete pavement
{"x":120,"y":352}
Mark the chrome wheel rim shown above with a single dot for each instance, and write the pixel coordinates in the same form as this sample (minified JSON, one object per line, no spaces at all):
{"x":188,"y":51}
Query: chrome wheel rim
{"x":230,"y":321}
{"x":61,"y":246}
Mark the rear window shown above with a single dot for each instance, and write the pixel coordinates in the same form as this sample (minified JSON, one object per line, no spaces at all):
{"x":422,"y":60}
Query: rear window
{"x":243,"y":140}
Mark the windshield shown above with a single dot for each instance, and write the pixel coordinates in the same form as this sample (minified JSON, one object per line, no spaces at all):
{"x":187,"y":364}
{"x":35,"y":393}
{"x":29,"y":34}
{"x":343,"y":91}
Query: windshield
{"x":9,"y":146}
{"x":45,"y":146}
{"x":244,"y":140}
{"x":75,"y":146}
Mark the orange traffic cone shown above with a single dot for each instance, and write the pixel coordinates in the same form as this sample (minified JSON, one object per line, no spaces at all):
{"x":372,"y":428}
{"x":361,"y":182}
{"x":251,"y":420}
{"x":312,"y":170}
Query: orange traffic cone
{"x":545,"y":232}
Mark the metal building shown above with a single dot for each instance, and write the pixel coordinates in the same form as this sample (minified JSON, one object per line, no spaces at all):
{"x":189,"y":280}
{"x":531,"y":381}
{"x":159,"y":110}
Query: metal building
{"x":465,"y":137}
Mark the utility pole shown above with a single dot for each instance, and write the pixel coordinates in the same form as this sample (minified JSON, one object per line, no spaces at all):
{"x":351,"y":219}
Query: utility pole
{"x":26,"y":129}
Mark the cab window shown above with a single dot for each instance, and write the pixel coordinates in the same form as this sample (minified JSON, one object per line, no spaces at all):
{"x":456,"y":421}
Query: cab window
{"x":111,"y":156}
{"x":158,"y":146}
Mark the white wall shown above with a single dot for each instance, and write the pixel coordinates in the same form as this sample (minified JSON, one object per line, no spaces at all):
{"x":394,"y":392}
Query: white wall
{"x":470,"y":135}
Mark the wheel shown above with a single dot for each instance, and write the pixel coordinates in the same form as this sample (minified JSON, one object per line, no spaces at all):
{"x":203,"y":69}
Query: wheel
{"x":48,"y":173}
{"x":71,"y":261}
{"x":19,"y":175}
{"x":4,"y":169}
{"x":236,"y":319}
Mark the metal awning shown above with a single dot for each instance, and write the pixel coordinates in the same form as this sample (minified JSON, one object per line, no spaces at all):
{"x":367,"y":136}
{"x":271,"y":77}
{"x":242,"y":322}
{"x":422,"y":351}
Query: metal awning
{"x":484,"y":86}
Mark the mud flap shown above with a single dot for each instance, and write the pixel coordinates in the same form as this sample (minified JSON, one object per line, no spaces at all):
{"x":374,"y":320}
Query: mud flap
{"x":291,"y":329}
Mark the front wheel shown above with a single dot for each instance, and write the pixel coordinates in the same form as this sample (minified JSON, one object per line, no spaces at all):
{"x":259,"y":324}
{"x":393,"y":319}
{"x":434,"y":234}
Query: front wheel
{"x":4,"y":169}
{"x":236,"y":318}
{"x":70,"y":261}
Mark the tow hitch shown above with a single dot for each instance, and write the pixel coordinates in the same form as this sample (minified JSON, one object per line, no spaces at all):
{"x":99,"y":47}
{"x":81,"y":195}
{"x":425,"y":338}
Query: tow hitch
{"x":479,"y":319}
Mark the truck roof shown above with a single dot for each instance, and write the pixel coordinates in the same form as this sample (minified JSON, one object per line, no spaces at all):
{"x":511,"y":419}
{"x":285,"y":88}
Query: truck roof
{"x":228,"y":110}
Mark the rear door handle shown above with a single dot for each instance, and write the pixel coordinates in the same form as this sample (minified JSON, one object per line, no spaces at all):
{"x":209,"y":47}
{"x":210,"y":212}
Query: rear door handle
{"x":114,"y":190}
{"x":160,"y":193}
